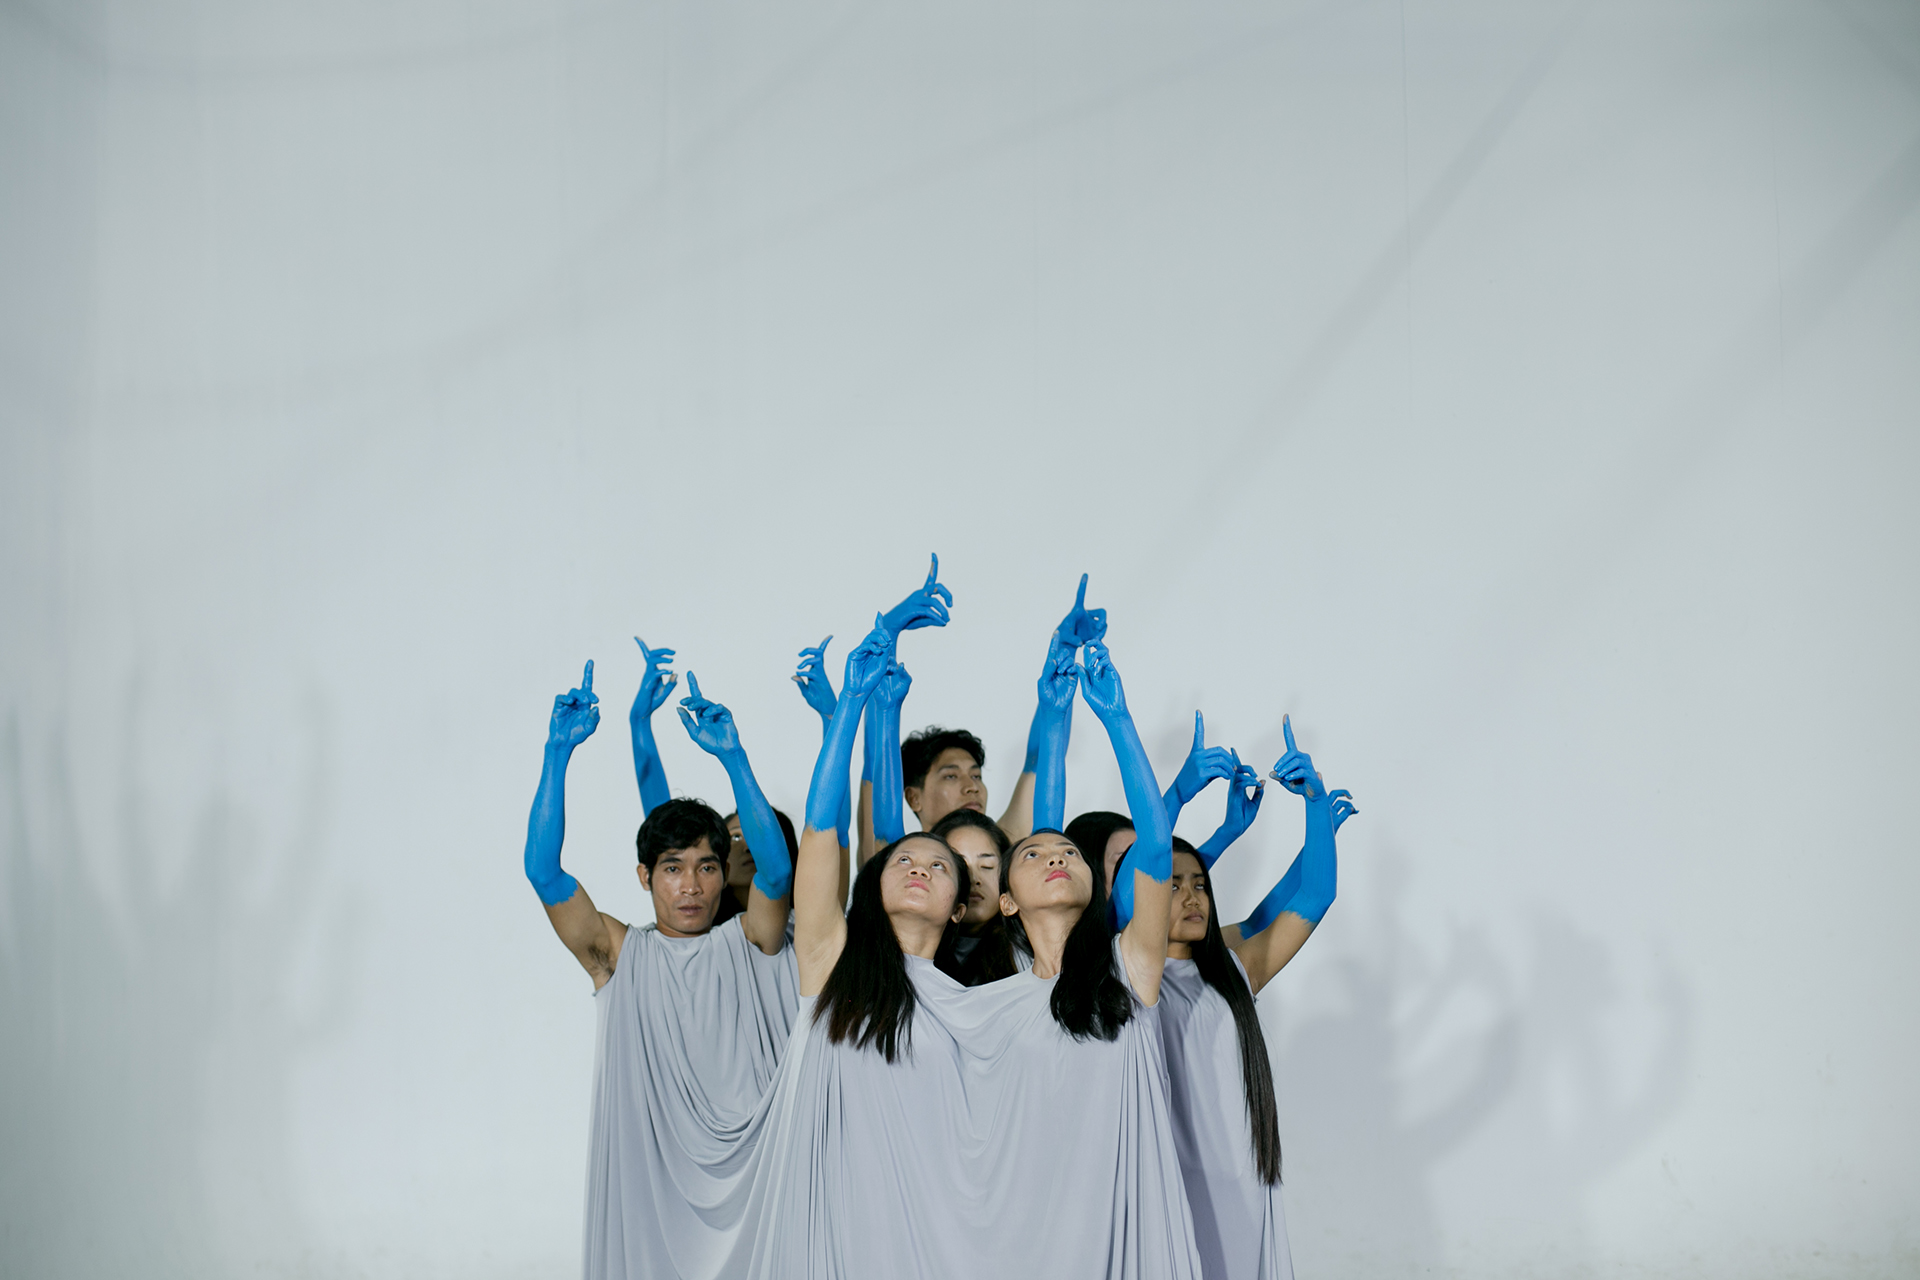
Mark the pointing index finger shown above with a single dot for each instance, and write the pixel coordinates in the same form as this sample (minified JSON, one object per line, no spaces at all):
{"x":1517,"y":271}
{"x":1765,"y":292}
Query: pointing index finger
{"x":1286,"y":727}
{"x":586,"y":681}
{"x":1199,"y":731}
{"x":1080,"y":598}
{"x":693,"y":687}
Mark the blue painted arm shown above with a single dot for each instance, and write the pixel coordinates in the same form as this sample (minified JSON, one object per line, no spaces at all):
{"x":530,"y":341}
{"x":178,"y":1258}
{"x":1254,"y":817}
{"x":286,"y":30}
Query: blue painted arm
{"x":1244,"y":791}
{"x":817,"y":689}
{"x":1308,"y":888}
{"x":1052,"y":729}
{"x":655,"y":685}
{"x":927,"y":607}
{"x":828,"y":790}
{"x":1203,"y":765}
{"x":883,"y":756}
{"x":576,"y":714}
{"x":711,"y":727}
{"x":1152,"y":850}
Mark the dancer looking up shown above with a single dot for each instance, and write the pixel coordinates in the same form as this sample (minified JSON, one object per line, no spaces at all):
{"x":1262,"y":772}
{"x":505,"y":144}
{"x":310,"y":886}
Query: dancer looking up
{"x":692,"y":1018}
{"x":924,"y":1128}
{"x":1218,"y":1071}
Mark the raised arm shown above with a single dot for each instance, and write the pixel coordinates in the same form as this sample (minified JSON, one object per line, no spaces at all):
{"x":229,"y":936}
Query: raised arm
{"x":592,"y":936}
{"x":817,"y":689}
{"x":883,"y":753}
{"x":1244,"y":791}
{"x":711,"y":727}
{"x":1203,"y":765}
{"x":1020,"y":819}
{"x":655,"y":685}
{"x":1052,"y":729}
{"x":819,"y":911}
{"x":1141,"y":886}
{"x":1286,"y":918}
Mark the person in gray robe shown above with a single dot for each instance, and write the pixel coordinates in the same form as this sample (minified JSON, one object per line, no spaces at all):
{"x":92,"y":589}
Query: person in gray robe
{"x":1021,"y":1127}
{"x":692,"y":1018}
{"x":1219,"y":1076}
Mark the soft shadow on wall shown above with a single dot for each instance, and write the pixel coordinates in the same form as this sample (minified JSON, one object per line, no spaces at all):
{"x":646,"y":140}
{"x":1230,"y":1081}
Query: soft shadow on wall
{"x":1409,"y":1052}
{"x":153,"y":1029}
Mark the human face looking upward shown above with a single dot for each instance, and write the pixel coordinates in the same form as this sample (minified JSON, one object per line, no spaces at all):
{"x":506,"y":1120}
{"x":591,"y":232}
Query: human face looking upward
{"x":740,"y":868}
{"x":686,"y":885}
{"x":1047,"y":872}
{"x":983,"y":860}
{"x":918,"y":883}
{"x":953,"y":781}
{"x":1192,"y":904}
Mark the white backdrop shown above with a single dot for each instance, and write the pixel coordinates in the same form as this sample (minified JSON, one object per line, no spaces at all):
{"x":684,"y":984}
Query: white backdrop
{"x":1522,"y":395}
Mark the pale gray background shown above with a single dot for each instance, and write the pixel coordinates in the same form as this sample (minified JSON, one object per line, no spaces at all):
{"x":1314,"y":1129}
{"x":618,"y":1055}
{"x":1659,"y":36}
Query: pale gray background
{"x":1523,"y":395}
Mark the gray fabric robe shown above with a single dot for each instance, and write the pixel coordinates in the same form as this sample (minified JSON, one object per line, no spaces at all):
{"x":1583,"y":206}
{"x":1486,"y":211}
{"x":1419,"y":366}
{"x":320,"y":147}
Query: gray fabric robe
{"x":998,"y":1147}
{"x":1238,"y":1220}
{"x":691,"y":1031}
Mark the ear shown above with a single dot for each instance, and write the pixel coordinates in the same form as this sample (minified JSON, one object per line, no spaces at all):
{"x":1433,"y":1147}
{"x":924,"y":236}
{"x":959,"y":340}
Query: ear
{"x":1007,"y":905}
{"x":646,"y":881}
{"x":913,"y":796}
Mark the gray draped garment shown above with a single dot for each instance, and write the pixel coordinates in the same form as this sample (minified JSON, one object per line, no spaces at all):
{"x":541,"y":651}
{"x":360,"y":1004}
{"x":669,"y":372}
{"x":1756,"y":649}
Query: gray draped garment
{"x":1238,"y":1220}
{"x":691,"y":1031}
{"x":998,"y":1147}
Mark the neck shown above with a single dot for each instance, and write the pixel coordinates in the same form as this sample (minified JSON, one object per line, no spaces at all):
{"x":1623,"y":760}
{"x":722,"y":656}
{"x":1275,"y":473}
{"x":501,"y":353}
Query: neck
{"x":918,"y":936}
{"x":1047,"y":931}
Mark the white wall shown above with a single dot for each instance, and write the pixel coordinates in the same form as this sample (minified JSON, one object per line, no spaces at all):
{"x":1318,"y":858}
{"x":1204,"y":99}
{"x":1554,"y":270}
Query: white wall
{"x":1522,"y":396}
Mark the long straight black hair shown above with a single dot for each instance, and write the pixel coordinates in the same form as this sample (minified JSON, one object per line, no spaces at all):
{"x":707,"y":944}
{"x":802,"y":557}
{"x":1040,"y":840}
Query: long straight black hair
{"x":868,"y":998}
{"x":1218,"y":970}
{"x":1089,"y":1000}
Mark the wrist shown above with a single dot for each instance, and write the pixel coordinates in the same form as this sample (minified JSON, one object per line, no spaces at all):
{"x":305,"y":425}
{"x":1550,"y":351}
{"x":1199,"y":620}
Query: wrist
{"x":559,"y":750}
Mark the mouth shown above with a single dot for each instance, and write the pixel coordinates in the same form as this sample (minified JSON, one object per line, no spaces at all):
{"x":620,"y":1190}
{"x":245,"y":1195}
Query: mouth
{"x":974,"y":805}
{"x":1057,"y":875}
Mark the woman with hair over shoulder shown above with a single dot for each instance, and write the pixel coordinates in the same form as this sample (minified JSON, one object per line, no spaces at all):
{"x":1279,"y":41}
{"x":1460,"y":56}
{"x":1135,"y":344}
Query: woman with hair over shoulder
{"x":1020,"y":1127}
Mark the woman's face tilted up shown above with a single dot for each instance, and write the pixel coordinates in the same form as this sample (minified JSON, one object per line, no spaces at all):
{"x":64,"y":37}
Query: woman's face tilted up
{"x":1047,"y":873}
{"x":918,"y":882}
{"x":983,"y":860}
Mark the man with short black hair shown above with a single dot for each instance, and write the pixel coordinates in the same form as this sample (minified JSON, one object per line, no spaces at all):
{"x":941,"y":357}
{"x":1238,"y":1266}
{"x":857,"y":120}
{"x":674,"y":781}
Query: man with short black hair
{"x":693,"y":1017}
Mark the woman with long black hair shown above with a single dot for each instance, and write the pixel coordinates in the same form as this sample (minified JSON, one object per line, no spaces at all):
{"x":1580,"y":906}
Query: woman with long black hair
{"x":1226,"y":1122}
{"x":1020,"y":1127}
{"x":978,"y":950}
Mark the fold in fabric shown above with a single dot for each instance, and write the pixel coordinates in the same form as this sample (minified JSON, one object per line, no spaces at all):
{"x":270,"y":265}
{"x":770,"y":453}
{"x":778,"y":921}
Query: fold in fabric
{"x":1238,"y":1221}
{"x":998,"y":1146}
{"x":691,"y":1032}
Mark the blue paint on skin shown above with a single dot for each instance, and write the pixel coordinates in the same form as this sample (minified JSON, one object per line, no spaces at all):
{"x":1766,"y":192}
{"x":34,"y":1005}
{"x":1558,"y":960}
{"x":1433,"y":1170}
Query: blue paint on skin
{"x":865,"y":664}
{"x":883,"y":752}
{"x":576,"y":714}
{"x":711,"y":727}
{"x":1309,"y":887}
{"x":1052,"y":730}
{"x":655,"y":685}
{"x":1244,"y":791}
{"x":1152,"y":850}
{"x":817,"y":689}
{"x":1202,"y":766}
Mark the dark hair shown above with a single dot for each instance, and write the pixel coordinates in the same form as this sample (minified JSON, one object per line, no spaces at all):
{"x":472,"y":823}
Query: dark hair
{"x":1091,"y":831}
{"x":1089,"y":1001}
{"x":1219,"y":971}
{"x":986,"y":954}
{"x":868,"y":998}
{"x":681,"y":824}
{"x":786,"y":829}
{"x":921,"y":749}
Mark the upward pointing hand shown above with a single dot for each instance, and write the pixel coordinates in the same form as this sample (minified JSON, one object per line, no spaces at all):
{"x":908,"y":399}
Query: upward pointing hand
{"x":656,"y":684}
{"x":1202,"y":765}
{"x":1082,"y":625}
{"x":709,"y":724}
{"x":576,"y":713}
{"x":1295,"y":770}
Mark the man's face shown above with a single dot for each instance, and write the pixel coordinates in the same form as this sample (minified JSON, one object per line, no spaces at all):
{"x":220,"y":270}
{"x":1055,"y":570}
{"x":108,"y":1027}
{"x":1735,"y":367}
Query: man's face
{"x":686,"y":885}
{"x":740,"y":867}
{"x":953,"y":782}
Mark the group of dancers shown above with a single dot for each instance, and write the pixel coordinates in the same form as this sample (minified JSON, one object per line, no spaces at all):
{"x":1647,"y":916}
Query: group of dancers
{"x":1012,"y":1047}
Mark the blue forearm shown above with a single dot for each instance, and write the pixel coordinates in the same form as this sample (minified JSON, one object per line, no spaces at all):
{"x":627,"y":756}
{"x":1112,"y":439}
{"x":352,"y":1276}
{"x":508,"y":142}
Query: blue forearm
{"x":1047,"y":761}
{"x":1318,"y":866}
{"x":827,"y":793}
{"x":547,"y":831}
{"x":773,"y":863}
{"x":1218,"y":843}
{"x":844,"y":822}
{"x":889,"y":824}
{"x":1276,"y":901}
{"x":1173,"y":804}
{"x":647,"y":769}
{"x":1152,"y":850}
